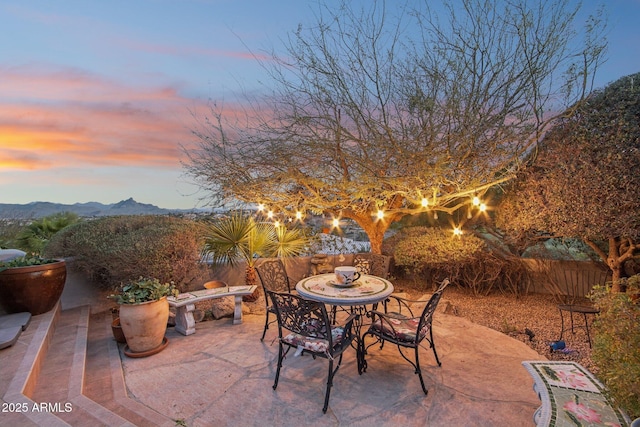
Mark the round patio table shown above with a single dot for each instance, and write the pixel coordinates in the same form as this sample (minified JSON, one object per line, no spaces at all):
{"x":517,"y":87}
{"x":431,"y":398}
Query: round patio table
{"x":366,"y":290}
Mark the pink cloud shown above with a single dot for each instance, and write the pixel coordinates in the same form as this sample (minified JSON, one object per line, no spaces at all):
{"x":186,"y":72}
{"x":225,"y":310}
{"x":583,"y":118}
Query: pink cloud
{"x":69,"y":117}
{"x":70,"y":84}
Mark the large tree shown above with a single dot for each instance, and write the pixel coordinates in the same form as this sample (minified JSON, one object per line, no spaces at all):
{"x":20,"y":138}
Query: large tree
{"x":585,"y":180}
{"x":380,"y":112}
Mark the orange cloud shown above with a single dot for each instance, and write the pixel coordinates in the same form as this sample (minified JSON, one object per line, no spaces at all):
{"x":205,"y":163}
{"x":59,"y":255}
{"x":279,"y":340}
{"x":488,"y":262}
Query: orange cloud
{"x":58,"y":119}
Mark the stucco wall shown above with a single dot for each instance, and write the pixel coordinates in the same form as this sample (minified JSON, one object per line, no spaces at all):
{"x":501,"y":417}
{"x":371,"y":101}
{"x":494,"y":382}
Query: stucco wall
{"x":549,"y":276}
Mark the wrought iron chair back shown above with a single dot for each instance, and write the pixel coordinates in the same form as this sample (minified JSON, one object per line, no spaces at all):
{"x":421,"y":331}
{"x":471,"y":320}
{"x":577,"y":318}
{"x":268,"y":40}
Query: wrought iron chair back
{"x":301,"y":316}
{"x":574,"y":285}
{"x":407,"y":331}
{"x":273,"y":277}
{"x":374,"y":264}
{"x":304,"y":324}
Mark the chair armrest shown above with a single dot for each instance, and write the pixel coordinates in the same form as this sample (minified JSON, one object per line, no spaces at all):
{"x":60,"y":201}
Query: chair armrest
{"x":347,"y":329}
{"x":348,"y":323}
{"x":391,"y":315}
{"x":401,"y":303}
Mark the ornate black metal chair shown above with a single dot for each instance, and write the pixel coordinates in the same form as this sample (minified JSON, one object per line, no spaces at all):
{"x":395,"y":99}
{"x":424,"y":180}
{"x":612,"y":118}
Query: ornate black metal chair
{"x":304,"y":324}
{"x":273,"y":277}
{"x":375,"y":264}
{"x":406,"y":330}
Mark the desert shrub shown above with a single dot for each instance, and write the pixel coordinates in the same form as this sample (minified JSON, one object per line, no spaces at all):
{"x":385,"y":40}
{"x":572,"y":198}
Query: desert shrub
{"x":9,"y":230}
{"x":468,"y":260}
{"x":113,"y":250}
{"x":515,"y":277}
{"x":616,"y":344}
{"x":434,"y":252}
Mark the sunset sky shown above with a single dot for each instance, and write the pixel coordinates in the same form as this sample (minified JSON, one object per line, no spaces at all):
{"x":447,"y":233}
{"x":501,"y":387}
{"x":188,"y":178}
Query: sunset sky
{"x":96,"y":96}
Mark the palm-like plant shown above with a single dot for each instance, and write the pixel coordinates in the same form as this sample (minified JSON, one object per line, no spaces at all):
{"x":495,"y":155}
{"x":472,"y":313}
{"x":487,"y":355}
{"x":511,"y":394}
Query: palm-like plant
{"x":36,"y":235}
{"x":240,"y":238}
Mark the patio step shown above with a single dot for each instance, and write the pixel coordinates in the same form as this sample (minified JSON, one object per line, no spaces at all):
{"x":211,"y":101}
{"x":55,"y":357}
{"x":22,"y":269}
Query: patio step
{"x":66,"y":370}
{"x":104,"y":378}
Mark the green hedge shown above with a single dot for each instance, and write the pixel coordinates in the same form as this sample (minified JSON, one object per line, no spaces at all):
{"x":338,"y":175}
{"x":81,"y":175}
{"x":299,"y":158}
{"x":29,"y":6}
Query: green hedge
{"x":616,"y":344}
{"x":114,"y":250}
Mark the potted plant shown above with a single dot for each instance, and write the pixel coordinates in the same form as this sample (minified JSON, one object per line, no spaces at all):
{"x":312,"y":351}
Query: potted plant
{"x":31,"y":283}
{"x":144,"y":312}
{"x":241,"y":238}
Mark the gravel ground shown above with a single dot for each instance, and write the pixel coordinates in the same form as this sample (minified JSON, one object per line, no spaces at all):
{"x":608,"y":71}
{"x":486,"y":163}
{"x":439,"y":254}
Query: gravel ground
{"x":533,"y":319}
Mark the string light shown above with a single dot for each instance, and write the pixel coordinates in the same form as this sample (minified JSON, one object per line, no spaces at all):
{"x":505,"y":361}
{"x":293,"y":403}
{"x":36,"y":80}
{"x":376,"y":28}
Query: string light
{"x":476,"y":201}
{"x":276,"y":224}
{"x":336,"y":222}
{"x":380,"y":214}
{"x":270,"y":214}
{"x":298,"y":215}
{"x":483,"y":207}
{"x":457,"y":231}
{"x":424,"y":202}
{"x":261,"y":207}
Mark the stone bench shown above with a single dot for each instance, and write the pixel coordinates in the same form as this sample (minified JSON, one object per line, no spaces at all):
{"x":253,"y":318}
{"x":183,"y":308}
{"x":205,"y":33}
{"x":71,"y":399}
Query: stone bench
{"x":571,"y":396}
{"x":185,"y":304}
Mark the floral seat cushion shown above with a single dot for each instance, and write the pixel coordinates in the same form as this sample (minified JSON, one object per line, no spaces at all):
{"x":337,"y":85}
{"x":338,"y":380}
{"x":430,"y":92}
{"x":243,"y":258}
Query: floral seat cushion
{"x":398,"y":327}
{"x":317,"y":345}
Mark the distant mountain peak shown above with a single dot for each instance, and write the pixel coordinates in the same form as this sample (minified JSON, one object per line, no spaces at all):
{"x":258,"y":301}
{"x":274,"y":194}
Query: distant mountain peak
{"x":90,"y":209}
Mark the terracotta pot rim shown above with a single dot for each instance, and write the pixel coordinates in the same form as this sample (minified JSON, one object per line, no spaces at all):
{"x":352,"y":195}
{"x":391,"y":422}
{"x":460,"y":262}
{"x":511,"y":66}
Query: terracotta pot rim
{"x":29,"y":268}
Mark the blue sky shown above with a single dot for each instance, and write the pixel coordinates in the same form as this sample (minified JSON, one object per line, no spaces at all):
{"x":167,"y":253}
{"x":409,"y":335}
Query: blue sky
{"x":95,"y":96}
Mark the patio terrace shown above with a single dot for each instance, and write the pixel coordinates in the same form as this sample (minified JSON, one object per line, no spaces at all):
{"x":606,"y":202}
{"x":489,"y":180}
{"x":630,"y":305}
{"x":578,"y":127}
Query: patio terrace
{"x":223,"y":375}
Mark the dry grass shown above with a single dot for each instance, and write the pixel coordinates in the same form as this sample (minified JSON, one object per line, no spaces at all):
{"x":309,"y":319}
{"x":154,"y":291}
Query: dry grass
{"x":533,"y":319}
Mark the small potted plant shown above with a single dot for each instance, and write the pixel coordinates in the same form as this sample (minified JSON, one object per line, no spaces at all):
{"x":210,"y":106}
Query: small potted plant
{"x":144,"y":312}
{"x":31,"y":283}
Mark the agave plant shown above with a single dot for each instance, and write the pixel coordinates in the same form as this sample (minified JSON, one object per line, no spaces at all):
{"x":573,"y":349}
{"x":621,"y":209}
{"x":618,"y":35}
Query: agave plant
{"x":240,"y":238}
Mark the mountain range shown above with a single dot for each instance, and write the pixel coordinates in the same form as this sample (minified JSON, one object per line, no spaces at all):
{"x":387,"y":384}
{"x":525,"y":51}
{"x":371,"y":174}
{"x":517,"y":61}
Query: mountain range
{"x":90,"y":209}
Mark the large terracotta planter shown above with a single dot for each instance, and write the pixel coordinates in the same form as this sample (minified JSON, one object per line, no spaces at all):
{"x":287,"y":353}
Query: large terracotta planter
{"x":35,"y":289}
{"x":144,"y":324}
